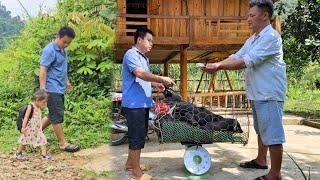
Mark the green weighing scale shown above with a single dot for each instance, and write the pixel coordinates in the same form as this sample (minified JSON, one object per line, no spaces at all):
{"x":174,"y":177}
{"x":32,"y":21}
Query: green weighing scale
{"x":197,"y":161}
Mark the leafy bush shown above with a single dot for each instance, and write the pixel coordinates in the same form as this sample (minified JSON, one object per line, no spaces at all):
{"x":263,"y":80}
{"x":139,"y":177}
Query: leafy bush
{"x":91,"y":54}
{"x":90,"y":71}
{"x":301,"y":37}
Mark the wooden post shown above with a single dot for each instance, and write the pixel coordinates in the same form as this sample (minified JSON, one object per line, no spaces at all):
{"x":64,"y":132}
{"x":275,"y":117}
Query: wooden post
{"x":212,"y":84}
{"x":183,"y":72}
{"x":166,"y":69}
{"x":229,"y":81}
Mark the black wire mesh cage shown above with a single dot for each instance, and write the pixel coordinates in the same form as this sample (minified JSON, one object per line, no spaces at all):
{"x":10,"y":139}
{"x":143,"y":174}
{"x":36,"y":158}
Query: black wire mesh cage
{"x":189,"y":122}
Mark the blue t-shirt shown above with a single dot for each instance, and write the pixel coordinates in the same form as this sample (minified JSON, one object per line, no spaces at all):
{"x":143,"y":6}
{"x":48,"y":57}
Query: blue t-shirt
{"x":56,"y":61}
{"x":136,"y":93}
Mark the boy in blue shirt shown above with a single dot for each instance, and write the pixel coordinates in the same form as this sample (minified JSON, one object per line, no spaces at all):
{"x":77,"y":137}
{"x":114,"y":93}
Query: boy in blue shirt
{"x":137,"y":96}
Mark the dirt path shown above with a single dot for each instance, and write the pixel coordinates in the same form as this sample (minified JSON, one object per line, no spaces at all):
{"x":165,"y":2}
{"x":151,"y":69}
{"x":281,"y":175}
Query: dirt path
{"x":167,"y":159}
{"x":35,"y":168}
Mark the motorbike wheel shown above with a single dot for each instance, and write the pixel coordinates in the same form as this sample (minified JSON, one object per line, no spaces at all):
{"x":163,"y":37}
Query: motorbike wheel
{"x":118,"y":139}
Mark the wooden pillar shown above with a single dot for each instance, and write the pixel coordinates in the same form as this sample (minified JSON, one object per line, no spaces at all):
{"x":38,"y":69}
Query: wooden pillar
{"x":166,"y":69}
{"x":213,"y":84}
{"x":183,"y":72}
{"x":229,"y":80}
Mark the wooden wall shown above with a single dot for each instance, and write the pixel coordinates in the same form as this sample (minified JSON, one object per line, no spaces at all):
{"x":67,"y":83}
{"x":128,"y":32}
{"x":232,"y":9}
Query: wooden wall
{"x":166,"y":26}
{"x":193,"y":21}
{"x":217,"y":7}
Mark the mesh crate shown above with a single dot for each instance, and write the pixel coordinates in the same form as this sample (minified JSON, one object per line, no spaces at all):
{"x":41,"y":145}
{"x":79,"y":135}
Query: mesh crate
{"x":173,"y":129}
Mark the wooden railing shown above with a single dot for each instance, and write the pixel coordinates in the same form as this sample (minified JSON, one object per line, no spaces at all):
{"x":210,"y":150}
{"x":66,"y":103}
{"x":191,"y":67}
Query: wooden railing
{"x":222,"y":85}
{"x":185,"y":29}
{"x":219,"y":30}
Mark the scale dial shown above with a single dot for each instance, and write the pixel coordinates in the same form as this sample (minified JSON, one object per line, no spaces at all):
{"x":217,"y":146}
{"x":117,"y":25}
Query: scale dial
{"x":197,"y":160}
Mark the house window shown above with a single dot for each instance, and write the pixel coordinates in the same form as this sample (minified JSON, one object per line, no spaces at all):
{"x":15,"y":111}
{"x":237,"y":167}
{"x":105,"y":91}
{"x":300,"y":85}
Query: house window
{"x":136,"y":7}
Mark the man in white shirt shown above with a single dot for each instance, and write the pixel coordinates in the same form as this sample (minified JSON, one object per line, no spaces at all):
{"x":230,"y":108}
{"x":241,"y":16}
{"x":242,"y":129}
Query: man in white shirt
{"x":266,"y":85}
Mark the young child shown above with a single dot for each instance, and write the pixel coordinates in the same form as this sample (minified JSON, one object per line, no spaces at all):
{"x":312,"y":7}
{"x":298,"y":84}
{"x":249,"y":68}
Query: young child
{"x":31,"y":131}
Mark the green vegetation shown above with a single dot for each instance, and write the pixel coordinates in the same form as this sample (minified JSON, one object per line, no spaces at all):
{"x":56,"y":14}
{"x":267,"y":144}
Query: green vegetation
{"x":90,"y":71}
{"x":303,"y":102}
{"x":301,"y":40}
{"x":9,"y":26}
{"x":94,"y":175}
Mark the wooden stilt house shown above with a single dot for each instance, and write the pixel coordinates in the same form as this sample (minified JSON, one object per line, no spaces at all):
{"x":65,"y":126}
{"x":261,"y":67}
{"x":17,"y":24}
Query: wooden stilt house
{"x":185,"y":31}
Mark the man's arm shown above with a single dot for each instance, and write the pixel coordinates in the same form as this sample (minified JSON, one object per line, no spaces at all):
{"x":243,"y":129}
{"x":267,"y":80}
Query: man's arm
{"x":227,"y":64}
{"x":43,"y":77}
{"x":146,"y":76}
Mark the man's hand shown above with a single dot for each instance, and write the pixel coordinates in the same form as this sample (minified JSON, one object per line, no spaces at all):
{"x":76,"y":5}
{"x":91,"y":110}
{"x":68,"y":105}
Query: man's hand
{"x":69,"y":87}
{"x":160,"y":87}
{"x":211,"y":68}
{"x":167,"y":81}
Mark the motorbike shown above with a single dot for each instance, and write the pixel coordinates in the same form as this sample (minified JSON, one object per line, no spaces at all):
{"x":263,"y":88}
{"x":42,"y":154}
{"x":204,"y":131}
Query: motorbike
{"x":118,"y":125}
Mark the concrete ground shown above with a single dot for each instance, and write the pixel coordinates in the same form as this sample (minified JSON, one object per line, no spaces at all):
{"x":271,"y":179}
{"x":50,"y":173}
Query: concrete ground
{"x":167,"y":159}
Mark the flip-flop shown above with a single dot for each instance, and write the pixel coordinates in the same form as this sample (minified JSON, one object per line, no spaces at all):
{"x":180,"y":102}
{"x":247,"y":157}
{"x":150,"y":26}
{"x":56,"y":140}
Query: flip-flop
{"x":70,"y":148}
{"x":143,"y":167}
{"x":264,"y":177}
{"x":143,"y":177}
{"x":252,"y":164}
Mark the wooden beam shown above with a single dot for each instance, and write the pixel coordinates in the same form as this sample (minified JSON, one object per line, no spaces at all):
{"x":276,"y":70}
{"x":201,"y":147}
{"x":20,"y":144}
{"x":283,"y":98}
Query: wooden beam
{"x":170,"y":56}
{"x":136,"y":23}
{"x":200,"y":56}
{"x":184,"y":72}
{"x":156,"y":40}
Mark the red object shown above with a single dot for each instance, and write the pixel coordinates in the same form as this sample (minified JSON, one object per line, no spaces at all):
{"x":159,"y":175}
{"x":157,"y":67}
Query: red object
{"x":161,"y":108}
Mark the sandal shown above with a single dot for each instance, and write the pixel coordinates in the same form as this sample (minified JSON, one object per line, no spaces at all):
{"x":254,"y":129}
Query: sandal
{"x":252,"y":164}
{"x":70,"y":148}
{"x":143,"y":167}
{"x":20,"y":156}
{"x":143,"y":177}
{"x":264,"y":177}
